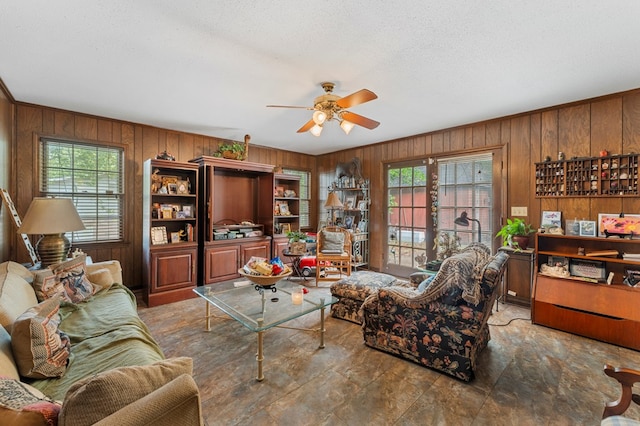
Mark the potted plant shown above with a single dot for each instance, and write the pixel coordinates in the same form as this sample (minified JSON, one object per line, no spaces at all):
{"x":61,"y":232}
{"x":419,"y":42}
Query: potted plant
{"x":231,"y":150}
{"x":515,"y":233}
{"x":297,"y":242}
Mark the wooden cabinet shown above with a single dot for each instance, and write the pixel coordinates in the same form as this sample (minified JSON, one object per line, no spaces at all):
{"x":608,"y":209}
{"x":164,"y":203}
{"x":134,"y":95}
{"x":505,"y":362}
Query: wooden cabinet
{"x":286,"y":214}
{"x":170,"y":230}
{"x":237,"y":198}
{"x":518,"y":277}
{"x":615,"y":175}
{"x":607,"y":312}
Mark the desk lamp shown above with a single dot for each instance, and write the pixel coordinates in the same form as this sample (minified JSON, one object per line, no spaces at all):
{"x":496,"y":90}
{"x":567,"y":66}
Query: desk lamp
{"x":464,"y":219}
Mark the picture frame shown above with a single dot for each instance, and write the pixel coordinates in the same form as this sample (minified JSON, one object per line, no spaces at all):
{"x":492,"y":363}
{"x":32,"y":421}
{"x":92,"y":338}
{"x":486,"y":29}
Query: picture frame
{"x":350,"y":202}
{"x":175,"y":237}
{"x":187,"y":209}
{"x":363,"y":225}
{"x":592,"y":269}
{"x":159,"y":235}
{"x":348,"y":222}
{"x":551,"y":219}
{"x":587,"y":228}
{"x":172,"y":188}
{"x":611,"y":224}
{"x":182,"y":187}
{"x":286,"y":227}
{"x":572,"y":227}
{"x":284,"y":209}
{"x":363,"y":205}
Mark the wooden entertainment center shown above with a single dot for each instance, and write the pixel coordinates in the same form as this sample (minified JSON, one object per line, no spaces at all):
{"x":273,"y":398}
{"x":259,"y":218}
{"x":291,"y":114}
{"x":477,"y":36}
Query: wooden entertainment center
{"x":606,"y":312}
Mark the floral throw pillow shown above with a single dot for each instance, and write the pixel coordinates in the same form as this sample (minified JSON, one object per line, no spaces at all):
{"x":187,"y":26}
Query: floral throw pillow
{"x":72,"y":275}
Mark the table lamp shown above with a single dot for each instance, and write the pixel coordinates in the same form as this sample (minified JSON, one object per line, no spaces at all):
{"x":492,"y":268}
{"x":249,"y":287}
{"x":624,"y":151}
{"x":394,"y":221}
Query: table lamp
{"x":51,"y":217}
{"x":333,"y":203}
{"x":464,"y":219}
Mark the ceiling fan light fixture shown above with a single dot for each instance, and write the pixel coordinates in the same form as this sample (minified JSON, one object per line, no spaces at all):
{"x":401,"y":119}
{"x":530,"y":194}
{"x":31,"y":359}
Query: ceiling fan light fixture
{"x":347,"y":126}
{"x":319,"y":117}
{"x":316,"y":130}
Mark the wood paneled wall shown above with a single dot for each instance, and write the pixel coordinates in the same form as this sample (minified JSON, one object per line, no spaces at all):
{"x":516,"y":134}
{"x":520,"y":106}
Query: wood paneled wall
{"x":7,"y":228}
{"x":140,"y":143}
{"x":578,"y":129}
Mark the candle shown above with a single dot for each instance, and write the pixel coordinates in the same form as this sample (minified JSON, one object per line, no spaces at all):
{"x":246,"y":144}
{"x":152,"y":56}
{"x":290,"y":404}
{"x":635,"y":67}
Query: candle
{"x":296,"y":297}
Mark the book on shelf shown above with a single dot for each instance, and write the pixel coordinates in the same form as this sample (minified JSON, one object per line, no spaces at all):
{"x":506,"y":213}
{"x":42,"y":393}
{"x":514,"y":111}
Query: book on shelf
{"x":631,"y":256}
{"x":602,"y":253}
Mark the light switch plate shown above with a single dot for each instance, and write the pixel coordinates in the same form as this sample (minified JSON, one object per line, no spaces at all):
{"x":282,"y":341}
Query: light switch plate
{"x":518,"y":211}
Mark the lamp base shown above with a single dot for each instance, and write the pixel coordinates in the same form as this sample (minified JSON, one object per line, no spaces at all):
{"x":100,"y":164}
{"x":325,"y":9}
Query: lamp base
{"x":52,"y":248}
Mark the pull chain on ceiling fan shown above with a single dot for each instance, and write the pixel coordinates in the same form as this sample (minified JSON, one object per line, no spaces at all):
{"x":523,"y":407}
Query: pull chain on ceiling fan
{"x":329,"y":107}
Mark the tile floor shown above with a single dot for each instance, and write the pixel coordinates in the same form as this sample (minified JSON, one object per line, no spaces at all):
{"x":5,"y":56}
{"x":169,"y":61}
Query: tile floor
{"x":528,"y":375}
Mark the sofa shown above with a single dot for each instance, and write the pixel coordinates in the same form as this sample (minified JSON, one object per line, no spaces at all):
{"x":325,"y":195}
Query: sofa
{"x":73,"y":351}
{"x":442,"y":323}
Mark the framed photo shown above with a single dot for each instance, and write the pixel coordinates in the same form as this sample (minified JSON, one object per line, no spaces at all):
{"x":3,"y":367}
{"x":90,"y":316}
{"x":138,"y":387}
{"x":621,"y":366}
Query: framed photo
{"x":611,"y":224}
{"x":551,"y":219}
{"x":587,"y":228}
{"x":286,"y":227}
{"x":172,"y":188}
{"x":175,"y":237}
{"x":363,"y":204}
{"x":593,"y":269}
{"x":187,"y":209}
{"x":284,"y":209}
{"x":573,"y":227}
{"x":348,"y":222}
{"x":159,"y":235}
{"x":362,"y":225}
{"x":350,"y":202}
{"x":182,"y":187}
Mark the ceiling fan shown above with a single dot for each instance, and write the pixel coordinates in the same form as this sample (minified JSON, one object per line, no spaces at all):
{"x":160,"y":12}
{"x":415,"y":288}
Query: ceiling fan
{"x":329,"y":107}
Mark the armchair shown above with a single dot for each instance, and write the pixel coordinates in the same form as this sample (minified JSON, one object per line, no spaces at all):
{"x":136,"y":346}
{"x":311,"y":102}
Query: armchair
{"x":613,"y":410}
{"x":444,"y":326}
{"x":333,"y":254}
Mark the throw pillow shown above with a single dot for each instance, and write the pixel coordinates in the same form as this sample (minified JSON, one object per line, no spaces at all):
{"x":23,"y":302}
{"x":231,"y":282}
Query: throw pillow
{"x":39,"y":348}
{"x":21,"y":404}
{"x":425,"y":283}
{"x":46,"y":285}
{"x":333,"y":242}
{"x":101,"y":278}
{"x":72,"y":275}
{"x":109,"y":391}
{"x":17,"y":297}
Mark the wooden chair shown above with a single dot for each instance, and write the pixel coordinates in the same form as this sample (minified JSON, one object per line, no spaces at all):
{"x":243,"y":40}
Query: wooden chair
{"x":332,"y":262}
{"x":626,"y":377}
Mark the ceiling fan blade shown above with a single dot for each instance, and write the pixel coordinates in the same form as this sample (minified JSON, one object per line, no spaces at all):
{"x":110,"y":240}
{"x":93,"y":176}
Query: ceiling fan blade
{"x":359,"y":120}
{"x":288,"y":106}
{"x":309,"y":124}
{"x":357,"y":98}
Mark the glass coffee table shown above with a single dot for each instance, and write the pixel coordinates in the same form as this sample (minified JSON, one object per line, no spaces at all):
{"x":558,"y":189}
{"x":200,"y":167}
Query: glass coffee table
{"x":260,"y":309}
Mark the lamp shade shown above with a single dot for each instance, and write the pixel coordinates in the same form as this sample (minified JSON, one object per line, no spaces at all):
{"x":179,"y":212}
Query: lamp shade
{"x":346,"y":126}
{"x":316,"y":130}
{"x":333,"y":202}
{"x":51,"y":216}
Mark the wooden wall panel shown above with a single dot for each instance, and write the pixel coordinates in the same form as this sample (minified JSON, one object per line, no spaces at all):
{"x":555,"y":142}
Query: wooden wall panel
{"x":631,"y":122}
{"x":606,"y":126}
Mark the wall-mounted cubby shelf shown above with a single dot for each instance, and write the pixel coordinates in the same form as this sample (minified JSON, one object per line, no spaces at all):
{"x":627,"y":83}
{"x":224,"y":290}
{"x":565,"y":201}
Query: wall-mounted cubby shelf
{"x":615,"y":175}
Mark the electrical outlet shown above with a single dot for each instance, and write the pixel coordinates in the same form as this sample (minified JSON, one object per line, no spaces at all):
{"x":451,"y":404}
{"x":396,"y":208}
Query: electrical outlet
{"x":512,"y":293}
{"x":518,"y":211}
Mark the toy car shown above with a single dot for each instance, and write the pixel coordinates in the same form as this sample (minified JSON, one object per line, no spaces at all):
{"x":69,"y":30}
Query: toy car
{"x":308,"y":266}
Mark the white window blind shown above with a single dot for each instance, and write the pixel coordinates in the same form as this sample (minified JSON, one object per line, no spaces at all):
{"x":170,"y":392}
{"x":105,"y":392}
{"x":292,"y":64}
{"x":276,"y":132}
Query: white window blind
{"x":92,"y":176}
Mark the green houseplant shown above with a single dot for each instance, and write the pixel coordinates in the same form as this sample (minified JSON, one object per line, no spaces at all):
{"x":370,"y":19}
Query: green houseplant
{"x":515,"y":233}
{"x":232,"y":150}
{"x":297,"y":242}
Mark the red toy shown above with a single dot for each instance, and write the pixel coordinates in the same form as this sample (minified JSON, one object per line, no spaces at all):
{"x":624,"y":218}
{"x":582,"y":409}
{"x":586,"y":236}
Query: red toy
{"x":308,"y":266}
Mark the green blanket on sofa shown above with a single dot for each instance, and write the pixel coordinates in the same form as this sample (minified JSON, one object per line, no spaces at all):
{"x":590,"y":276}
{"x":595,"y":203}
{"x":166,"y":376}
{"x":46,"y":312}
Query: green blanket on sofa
{"x":105,"y":333}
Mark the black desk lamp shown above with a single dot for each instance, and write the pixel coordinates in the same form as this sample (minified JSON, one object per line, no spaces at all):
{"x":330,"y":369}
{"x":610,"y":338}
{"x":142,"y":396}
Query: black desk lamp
{"x":464,"y":219}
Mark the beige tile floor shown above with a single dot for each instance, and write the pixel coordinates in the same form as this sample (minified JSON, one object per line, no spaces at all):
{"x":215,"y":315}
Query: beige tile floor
{"x":528,"y":375}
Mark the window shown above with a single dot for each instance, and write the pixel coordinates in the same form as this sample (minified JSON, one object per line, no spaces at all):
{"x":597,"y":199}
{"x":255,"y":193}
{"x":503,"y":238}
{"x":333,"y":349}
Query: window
{"x":465,"y":184}
{"x":92,"y":176}
{"x":305,"y":195}
{"x":408,"y":208}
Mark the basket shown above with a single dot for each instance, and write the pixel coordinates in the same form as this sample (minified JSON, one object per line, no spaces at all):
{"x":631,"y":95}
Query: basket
{"x":264,"y":280}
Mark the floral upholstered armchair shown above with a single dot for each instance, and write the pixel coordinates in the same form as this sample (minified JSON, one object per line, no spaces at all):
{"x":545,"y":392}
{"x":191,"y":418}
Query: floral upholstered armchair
{"x":443,"y":323}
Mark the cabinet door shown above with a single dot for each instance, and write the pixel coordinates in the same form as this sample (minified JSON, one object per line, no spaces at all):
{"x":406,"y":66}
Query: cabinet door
{"x":280,"y":245}
{"x":172,"y":269}
{"x":258,"y":249}
{"x":518,"y":279}
{"x":221,"y":263}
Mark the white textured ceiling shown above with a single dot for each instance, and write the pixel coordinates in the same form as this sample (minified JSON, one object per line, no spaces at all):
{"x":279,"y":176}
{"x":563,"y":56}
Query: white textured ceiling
{"x":211,"y":67}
